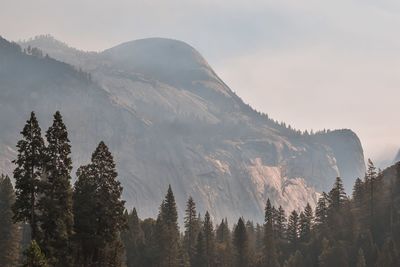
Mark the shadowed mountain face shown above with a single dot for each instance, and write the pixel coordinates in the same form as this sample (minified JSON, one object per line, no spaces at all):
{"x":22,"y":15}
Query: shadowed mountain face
{"x":169,"y":119}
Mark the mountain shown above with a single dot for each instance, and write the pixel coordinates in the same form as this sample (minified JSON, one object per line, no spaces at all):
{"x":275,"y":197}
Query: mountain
{"x":397,"y":157}
{"x":169,"y":119}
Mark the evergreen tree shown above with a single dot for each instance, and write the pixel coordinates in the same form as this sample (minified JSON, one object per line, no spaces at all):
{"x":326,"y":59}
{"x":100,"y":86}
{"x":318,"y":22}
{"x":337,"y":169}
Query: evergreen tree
{"x":280,"y":223}
{"x":133,"y":238}
{"x":337,"y":196}
{"x":306,"y":220}
{"x":241,"y":245}
{"x":293,"y":228}
{"x":27,"y":174}
{"x":98,"y":209}
{"x":168,"y":231}
{"x":55,"y":204}
{"x":270,"y":253}
{"x":191,"y":229}
{"x":9,"y":233}
{"x":209,"y":240}
{"x":200,"y":256}
{"x":34,"y":256}
{"x":223,"y":245}
{"x":85,"y":218}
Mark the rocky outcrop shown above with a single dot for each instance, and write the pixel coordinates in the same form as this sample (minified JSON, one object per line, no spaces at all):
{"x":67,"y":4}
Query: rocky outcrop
{"x":169,"y":119}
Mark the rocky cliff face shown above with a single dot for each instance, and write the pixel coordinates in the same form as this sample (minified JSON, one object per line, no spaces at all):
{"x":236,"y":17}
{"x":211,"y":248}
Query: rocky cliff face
{"x":169,"y":119}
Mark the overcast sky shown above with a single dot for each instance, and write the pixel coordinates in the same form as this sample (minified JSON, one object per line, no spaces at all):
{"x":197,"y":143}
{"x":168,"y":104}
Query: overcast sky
{"x":313,"y":64}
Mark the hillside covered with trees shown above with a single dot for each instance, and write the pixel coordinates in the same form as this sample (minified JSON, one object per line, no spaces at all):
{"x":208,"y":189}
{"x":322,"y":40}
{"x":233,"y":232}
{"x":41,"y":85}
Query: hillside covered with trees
{"x":47,"y":221}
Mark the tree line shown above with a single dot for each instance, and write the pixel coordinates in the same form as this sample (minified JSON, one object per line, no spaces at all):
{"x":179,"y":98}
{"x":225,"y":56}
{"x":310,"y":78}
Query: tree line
{"x":45,"y":221}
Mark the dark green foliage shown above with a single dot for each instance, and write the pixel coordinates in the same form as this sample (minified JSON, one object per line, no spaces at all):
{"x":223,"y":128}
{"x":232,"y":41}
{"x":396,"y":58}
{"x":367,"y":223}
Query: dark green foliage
{"x":98,"y":211}
{"x":223,"y":248}
{"x":293,"y":228}
{"x":200,"y":256}
{"x":55,"y":204}
{"x":241,"y":245}
{"x":34,"y":256}
{"x":209,"y":241}
{"x":191,"y":229}
{"x":270,"y":256}
{"x":167,"y":232}
{"x":27,"y":174}
{"x":133,"y":239}
{"x":9,"y":232}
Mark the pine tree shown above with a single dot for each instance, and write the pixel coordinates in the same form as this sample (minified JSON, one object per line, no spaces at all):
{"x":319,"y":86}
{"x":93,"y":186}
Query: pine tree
{"x":209,"y":240}
{"x":133,"y":238}
{"x":280,"y":223}
{"x":85,"y":218}
{"x":337,"y":196}
{"x":29,"y":167}
{"x":321,"y":214}
{"x":9,"y":233}
{"x":34,"y":256}
{"x":306,"y":220}
{"x":293,"y":228}
{"x":200,"y":256}
{"x":270,"y":253}
{"x":169,"y":242}
{"x":191,"y":229}
{"x":55,"y":204}
{"x":241,"y":245}
{"x":98,"y":209}
{"x":223,"y":245}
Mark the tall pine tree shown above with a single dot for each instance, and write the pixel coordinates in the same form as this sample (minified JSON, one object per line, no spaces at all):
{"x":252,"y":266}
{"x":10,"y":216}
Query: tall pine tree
{"x":55,"y":204}
{"x":191,"y":229}
{"x":99,"y":211}
{"x":27,"y":174}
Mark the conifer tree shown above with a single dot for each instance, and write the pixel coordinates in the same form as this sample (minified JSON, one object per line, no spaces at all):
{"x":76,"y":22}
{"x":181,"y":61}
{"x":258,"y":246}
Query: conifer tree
{"x":191,"y":229}
{"x":241,"y":245}
{"x":34,"y":256}
{"x":223,"y":245}
{"x":133,"y":238}
{"x":98,"y":209}
{"x":337,"y":195}
{"x":9,"y":233}
{"x":29,"y":167}
{"x":209,"y":240}
{"x":280,"y":223}
{"x":200,"y":256}
{"x":306,"y":220}
{"x":293,"y":228}
{"x":270,"y":258}
{"x":55,"y":204}
{"x":168,"y":220}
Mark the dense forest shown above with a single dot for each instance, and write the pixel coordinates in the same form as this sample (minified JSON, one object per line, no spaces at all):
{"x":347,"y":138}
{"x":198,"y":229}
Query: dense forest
{"x":47,"y":221}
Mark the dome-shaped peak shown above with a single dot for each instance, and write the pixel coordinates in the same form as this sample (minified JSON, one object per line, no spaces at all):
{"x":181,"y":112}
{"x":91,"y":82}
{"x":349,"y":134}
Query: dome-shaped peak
{"x":168,"y":60}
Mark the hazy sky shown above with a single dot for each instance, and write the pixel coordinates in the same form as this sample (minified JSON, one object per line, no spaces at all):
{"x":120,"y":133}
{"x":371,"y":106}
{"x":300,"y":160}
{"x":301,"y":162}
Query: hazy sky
{"x":313,"y":64}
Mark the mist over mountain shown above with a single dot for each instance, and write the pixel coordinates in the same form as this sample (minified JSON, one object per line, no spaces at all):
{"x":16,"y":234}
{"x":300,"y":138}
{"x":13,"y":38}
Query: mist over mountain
{"x":169,"y":119}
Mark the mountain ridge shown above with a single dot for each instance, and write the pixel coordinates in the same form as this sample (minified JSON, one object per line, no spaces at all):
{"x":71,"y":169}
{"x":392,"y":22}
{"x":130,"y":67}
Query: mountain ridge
{"x":195,"y":134}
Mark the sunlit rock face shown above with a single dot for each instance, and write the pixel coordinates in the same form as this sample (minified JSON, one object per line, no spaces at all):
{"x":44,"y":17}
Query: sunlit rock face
{"x":169,"y":119}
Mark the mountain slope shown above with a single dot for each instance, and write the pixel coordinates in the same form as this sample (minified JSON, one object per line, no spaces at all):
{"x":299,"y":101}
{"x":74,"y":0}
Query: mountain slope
{"x":169,"y":119}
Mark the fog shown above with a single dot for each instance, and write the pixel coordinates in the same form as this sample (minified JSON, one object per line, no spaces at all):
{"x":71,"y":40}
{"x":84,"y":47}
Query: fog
{"x":312,"y":64}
